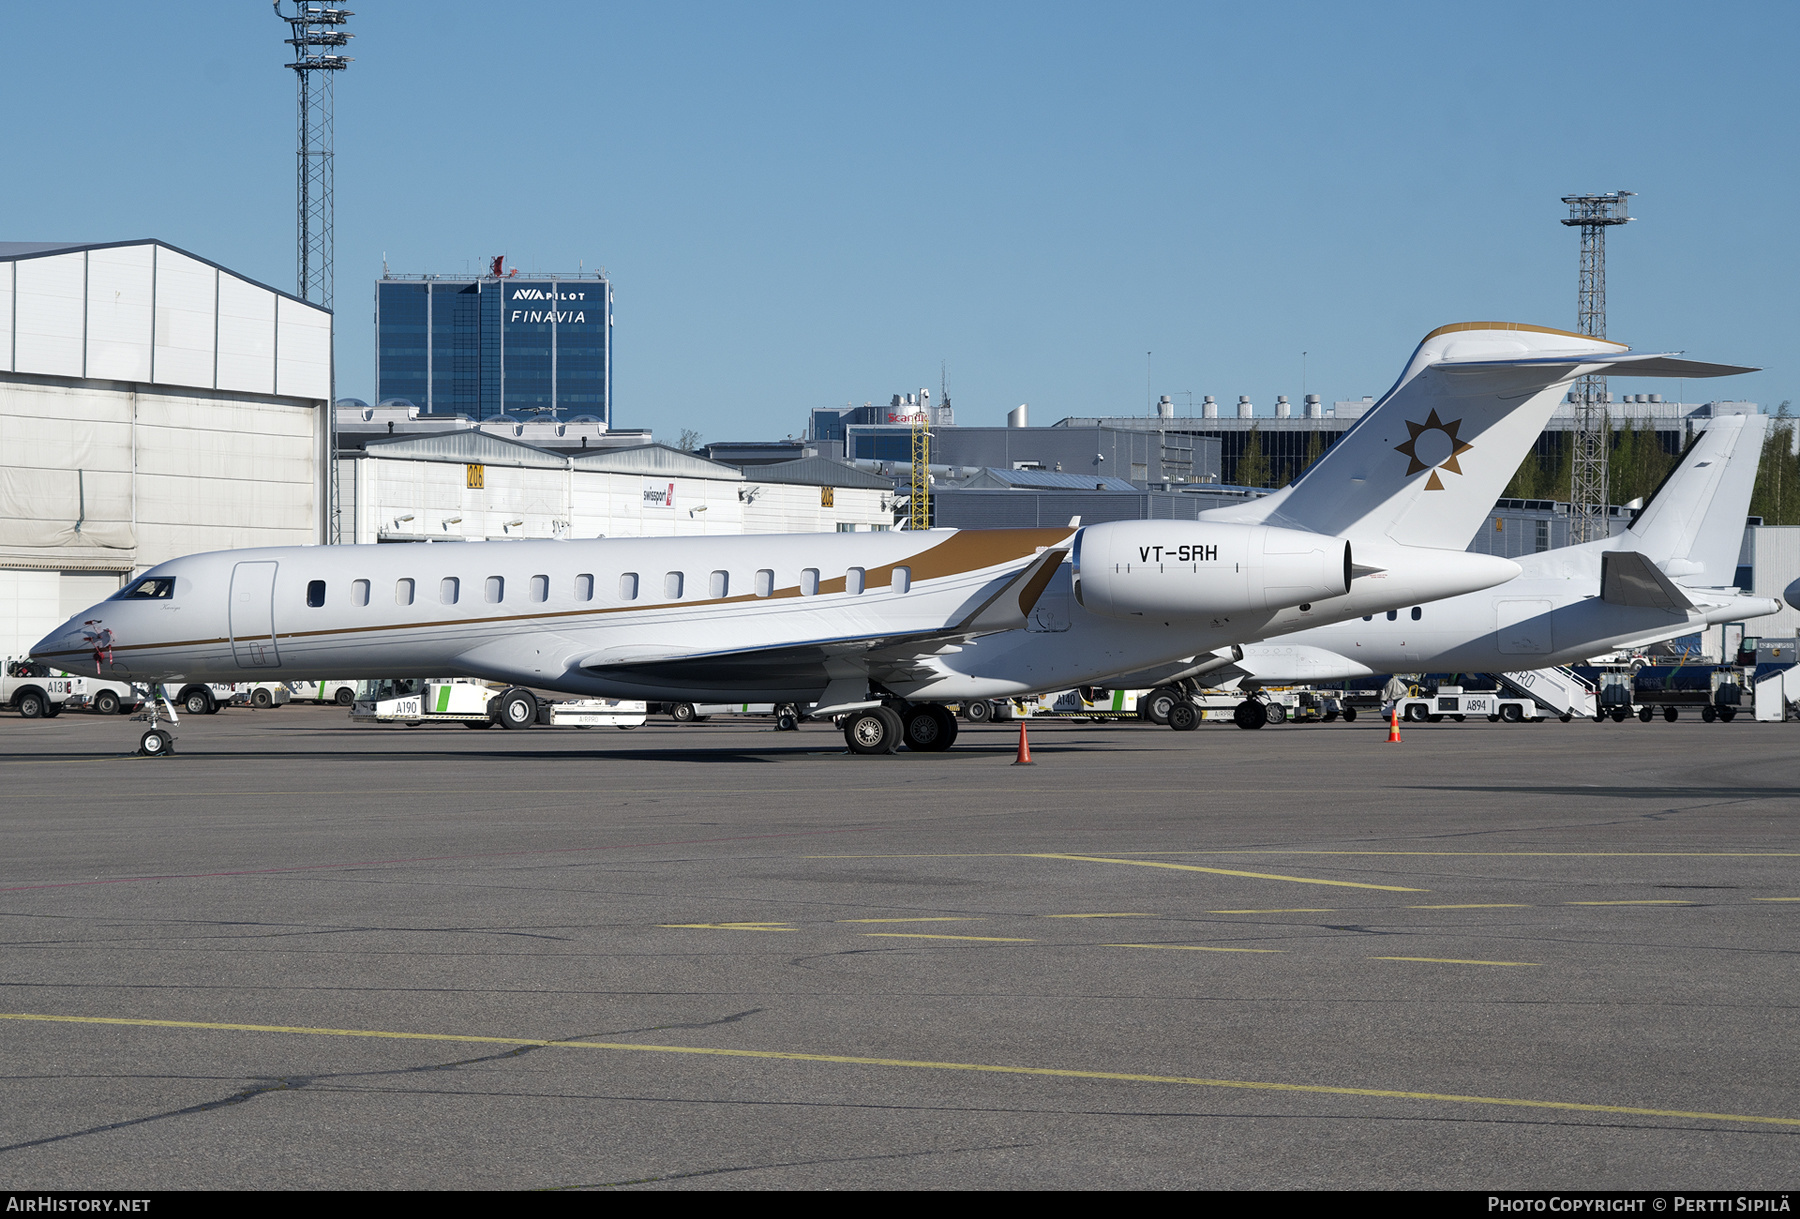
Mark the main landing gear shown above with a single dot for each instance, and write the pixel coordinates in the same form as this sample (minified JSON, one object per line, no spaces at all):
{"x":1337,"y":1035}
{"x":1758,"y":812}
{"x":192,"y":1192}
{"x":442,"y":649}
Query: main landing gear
{"x":921,"y":727}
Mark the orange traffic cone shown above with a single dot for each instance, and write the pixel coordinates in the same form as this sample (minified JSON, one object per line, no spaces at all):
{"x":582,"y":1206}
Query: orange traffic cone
{"x":1394,"y":728}
{"x":1024,"y":758}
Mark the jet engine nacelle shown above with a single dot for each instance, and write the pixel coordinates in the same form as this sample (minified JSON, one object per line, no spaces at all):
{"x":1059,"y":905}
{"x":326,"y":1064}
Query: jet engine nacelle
{"x":1198,"y":569}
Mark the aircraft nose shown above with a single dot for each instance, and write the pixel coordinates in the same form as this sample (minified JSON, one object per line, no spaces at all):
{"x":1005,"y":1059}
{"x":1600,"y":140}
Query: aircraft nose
{"x":1791,"y":594}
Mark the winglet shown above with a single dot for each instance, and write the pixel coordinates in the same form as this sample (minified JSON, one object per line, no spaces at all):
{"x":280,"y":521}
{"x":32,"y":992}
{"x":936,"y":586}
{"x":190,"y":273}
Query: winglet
{"x":1008,"y":609}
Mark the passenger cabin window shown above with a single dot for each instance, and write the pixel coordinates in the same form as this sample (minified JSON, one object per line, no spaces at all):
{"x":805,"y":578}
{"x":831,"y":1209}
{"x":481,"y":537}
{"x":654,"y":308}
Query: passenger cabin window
{"x":150,"y":588}
{"x":1368,"y":617}
{"x":902,"y":579}
{"x":719,"y":586}
{"x":672,"y":585}
{"x":315,"y":593}
{"x":359,"y":592}
{"x":1393,"y":615}
{"x":765,"y":583}
{"x":584,"y":588}
{"x":628,"y":586}
{"x":403,"y":592}
{"x":449,"y":589}
{"x":495,"y":592}
{"x":1417,"y":613}
{"x":853,"y":580}
{"x":540,"y":588}
{"x":809,"y":582}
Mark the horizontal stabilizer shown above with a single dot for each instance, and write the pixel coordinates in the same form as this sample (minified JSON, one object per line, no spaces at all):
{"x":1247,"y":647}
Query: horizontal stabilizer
{"x":1626,"y":364}
{"x":1628,"y":578}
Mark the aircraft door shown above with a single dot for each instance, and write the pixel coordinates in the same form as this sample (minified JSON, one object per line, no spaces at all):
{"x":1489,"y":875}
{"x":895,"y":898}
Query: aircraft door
{"x":253,"y":615}
{"x":1524,"y":627}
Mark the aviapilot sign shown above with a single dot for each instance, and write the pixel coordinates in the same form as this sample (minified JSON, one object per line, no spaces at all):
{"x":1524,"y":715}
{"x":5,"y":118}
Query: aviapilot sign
{"x":563,"y":305}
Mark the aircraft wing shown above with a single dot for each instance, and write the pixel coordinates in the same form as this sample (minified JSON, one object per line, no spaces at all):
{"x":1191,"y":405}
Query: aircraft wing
{"x":1628,"y":578}
{"x":890,"y":656}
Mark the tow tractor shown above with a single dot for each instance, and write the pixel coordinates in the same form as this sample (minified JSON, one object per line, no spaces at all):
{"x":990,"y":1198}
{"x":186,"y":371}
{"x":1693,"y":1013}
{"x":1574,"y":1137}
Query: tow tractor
{"x":1453,"y":702}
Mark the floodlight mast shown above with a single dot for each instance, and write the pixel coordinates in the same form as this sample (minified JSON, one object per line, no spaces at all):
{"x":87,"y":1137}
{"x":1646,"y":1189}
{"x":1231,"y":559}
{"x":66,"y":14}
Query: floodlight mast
{"x":317,"y":30}
{"x":1593,"y":215}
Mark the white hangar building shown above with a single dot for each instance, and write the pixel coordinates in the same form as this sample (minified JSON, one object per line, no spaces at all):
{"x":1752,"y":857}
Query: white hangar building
{"x":470,"y":485}
{"x":152,"y":404}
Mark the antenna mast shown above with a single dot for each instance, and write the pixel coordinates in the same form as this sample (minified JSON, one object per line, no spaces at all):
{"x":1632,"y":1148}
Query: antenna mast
{"x":317,"y":32}
{"x":1593,"y":215}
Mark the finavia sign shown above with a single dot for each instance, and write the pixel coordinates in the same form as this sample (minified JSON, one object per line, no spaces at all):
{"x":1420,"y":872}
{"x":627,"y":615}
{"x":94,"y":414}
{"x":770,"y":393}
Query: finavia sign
{"x":563,"y":317}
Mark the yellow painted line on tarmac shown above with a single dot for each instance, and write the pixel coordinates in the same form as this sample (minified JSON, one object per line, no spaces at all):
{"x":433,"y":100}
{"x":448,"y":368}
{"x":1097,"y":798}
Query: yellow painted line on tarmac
{"x":926,"y":1065}
{"x":1102,"y":915}
{"x":919,"y":935}
{"x":1188,"y":867}
{"x":1639,"y":903}
{"x":730,"y":926}
{"x":913,"y":920}
{"x":1194,"y":948}
{"x":1451,"y":961}
{"x":1292,"y":910}
{"x":1479,"y":906}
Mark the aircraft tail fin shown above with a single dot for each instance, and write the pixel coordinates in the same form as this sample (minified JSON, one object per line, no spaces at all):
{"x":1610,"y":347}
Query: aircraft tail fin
{"x":1424,"y":466}
{"x":1693,"y":526}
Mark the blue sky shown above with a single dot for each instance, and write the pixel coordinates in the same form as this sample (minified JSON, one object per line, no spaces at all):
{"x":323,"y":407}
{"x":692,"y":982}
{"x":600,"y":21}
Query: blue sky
{"x":808,"y":205}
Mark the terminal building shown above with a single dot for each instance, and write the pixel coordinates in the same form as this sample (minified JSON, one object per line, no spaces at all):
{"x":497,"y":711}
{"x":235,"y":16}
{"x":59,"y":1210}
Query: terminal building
{"x":152,"y":404}
{"x":496,"y":345}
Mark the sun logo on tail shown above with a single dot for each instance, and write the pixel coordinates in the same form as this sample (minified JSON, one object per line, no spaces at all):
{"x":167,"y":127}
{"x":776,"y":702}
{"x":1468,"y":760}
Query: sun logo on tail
{"x":1440,"y":451}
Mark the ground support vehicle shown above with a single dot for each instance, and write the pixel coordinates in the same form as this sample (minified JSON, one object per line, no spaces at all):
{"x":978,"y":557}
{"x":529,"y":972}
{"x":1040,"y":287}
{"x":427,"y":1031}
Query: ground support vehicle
{"x":265,"y":695}
{"x":455,"y":700}
{"x":35,"y":690}
{"x":595,"y":713}
{"x":1083,"y":703}
{"x":198,"y":699}
{"x":341,"y":691}
{"x":1453,"y":702}
{"x":787,"y":715}
{"x":1777,"y":693}
{"x":106,"y":697}
{"x":1716,"y":691}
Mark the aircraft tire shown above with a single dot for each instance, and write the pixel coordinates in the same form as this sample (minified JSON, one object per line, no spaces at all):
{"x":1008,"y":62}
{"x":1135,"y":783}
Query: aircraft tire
{"x":1183,"y":716}
{"x":1671,"y":714}
{"x":1248,"y":714}
{"x":517,"y":708}
{"x":156,"y":744}
{"x":783,"y":723}
{"x":872,"y":730}
{"x":1159,"y":702}
{"x":929,"y":729}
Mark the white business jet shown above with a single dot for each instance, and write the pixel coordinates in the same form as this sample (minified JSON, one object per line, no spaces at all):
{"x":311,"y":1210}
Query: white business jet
{"x":1671,"y":573}
{"x":882,"y":629}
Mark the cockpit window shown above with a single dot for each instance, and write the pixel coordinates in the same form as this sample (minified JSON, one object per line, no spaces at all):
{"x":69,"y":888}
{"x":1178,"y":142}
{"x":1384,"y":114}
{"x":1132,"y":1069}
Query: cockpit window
{"x":148,"y":588}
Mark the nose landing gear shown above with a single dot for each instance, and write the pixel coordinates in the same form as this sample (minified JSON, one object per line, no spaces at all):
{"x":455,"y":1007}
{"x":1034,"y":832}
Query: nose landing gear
{"x":157,"y":742}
